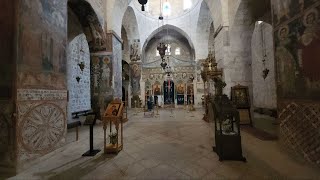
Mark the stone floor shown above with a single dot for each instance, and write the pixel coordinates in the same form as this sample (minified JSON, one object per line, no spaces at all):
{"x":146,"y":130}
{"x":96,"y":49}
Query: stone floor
{"x":173,"y":145}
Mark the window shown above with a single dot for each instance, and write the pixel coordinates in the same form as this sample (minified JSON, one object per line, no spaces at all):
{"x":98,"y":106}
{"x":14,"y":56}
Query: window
{"x":166,"y":9}
{"x":177,"y":51}
{"x":187,"y":4}
{"x":168,"y":51}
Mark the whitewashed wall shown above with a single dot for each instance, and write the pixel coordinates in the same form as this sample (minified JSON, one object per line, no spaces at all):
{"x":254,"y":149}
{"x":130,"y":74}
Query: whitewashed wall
{"x":264,"y":90}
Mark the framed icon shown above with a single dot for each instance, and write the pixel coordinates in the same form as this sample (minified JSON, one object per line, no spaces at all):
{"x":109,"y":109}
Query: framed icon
{"x":241,"y":99}
{"x":240,"y":96}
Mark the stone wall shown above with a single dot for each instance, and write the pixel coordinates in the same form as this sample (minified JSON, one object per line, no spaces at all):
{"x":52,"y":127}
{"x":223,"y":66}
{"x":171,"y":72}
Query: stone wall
{"x":41,"y":78}
{"x":264,"y":89}
{"x":296,"y":32}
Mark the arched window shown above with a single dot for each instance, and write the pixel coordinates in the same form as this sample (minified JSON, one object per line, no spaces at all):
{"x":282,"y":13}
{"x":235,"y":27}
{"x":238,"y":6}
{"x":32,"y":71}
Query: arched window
{"x":166,"y":9}
{"x":187,"y":4}
{"x":177,"y":51}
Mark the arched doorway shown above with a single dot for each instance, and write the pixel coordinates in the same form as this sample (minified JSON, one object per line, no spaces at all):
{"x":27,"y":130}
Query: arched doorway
{"x":168,"y":92}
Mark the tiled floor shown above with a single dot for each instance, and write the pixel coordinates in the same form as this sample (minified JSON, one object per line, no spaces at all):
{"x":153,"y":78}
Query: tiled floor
{"x":175,"y":145}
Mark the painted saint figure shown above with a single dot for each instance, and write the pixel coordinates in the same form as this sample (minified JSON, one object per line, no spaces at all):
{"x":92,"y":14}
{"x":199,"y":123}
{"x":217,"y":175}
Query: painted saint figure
{"x":281,"y":9}
{"x":286,"y":69}
{"x":309,"y":47}
{"x":180,"y":89}
{"x":157,"y":90}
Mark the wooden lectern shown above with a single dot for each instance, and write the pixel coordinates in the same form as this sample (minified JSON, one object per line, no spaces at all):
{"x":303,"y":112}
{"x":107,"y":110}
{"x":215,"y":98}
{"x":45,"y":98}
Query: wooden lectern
{"x":114,"y":117}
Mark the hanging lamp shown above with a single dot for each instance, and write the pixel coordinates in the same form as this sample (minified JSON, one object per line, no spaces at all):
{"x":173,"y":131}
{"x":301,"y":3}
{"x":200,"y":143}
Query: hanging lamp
{"x":143,"y":2}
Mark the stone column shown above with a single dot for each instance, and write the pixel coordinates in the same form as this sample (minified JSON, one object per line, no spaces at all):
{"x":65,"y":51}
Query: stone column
{"x":35,"y":117}
{"x":135,"y":67}
{"x":114,"y":46}
{"x":101,"y":81}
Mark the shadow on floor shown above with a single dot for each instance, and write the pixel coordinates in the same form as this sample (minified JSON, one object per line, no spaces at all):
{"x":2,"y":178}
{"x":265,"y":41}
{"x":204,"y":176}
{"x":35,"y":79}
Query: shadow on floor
{"x":77,"y":171}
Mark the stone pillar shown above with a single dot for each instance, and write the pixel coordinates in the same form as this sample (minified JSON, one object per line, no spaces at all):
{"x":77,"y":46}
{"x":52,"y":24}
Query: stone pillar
{"x":114,"y":45}
{"x":101,"y":81}
{"x":135,"y":67}
{"x":35,"y":114}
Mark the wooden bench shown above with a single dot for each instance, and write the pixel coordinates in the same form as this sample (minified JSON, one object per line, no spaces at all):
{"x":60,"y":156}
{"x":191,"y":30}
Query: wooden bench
{"x":74,"y":124}
{"x":75,"y":115}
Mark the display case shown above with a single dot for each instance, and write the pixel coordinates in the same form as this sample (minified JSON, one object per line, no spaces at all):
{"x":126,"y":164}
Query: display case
{"x":227,"y":129}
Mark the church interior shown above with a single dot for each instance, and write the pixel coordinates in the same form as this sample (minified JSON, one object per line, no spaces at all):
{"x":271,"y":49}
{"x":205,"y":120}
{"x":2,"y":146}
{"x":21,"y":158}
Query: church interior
{"x":160,"y":89}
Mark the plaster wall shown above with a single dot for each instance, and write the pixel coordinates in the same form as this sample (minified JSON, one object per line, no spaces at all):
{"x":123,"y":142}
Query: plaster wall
{"x":264,"y":90}
{"x":237,"y":59}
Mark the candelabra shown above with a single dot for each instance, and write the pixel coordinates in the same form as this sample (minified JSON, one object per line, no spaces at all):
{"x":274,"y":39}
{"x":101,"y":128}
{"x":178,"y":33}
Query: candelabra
{"x":209,"y":71}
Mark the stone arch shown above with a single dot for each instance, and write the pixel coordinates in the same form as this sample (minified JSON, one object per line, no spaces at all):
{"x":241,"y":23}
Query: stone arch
{"x":203,"y":31}
{"x":130,"y":26}
{"x":90,"y":22}
{"x":239,"y":47}
{"x":125,"y":45}
{"x":171,"y":27}
{"x":219,"y":11}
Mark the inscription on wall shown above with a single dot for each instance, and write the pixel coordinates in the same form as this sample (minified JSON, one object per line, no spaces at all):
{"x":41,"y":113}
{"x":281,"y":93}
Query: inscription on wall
{"x":41,"y":94}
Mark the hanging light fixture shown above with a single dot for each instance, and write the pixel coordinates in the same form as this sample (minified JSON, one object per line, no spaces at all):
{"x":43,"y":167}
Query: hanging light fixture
{"x":143,"y":2}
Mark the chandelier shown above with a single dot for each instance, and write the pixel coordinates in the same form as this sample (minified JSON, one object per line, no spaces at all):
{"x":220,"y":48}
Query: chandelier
{"x":210,"y":68}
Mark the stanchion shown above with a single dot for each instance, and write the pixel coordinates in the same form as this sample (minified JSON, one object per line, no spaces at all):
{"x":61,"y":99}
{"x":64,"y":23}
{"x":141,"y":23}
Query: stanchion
{"x":90,"y":120}
{"x":135,"y":108}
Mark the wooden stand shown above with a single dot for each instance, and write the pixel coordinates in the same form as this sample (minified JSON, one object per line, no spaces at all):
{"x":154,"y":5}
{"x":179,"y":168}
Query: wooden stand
{"x":91,"y":120}
{"x":113,"y":116}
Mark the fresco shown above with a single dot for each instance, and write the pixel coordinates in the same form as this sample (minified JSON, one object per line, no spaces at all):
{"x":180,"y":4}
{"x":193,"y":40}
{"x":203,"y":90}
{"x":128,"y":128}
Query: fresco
{"x":285,"y":10}
{"x":297,"y":44}
{"x":135,"y":78}
{"x":297,"y":49}
{"x":117,"y":67}
{"x":41,"y":76}
{"x":42,"y":36}
{"x":101,"y":81}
